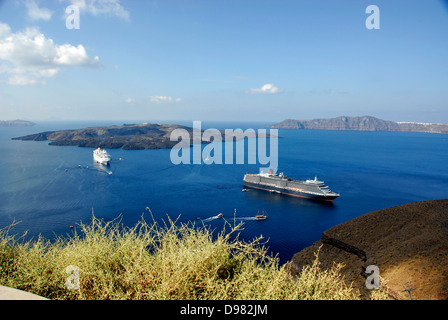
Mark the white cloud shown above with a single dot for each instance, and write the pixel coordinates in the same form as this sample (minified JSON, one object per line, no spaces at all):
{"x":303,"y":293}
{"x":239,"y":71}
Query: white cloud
{"x":29,"y":57}
{"x":68,"y":55}
{"x":109,"y":8}
{"x":163,"y":99}
{"x":129,"y":100}
{"x":22,"y":81}
{"x":36,"y":13}
{"x":269,"y":88}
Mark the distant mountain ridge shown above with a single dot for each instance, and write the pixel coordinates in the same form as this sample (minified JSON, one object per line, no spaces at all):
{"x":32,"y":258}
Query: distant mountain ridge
{"x":15,"y":123}
{"x":363,"y":123}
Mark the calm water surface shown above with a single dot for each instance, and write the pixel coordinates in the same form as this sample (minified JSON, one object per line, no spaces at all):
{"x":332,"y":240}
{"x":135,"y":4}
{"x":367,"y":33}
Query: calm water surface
{"x":43,"y":187}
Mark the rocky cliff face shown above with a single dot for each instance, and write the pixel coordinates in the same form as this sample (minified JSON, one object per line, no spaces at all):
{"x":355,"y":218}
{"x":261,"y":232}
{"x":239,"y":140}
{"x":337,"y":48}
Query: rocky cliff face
{"x":408,"y":243}
{"x":364,"y":123}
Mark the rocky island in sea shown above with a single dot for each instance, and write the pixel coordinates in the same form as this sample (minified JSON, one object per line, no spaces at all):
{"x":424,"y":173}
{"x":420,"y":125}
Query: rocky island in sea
{"x":127,"y":136}
{"x":364,"y":123}
{"x":16,"y":123}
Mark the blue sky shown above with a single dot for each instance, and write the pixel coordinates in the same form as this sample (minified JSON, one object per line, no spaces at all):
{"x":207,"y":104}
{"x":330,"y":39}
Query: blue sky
{"x":231,"y":60}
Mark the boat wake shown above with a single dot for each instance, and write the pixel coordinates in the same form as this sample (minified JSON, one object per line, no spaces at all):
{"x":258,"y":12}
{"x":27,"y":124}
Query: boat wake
{"x":97,"y":167}
{"x":219,"y":216}
{"x":101,"y":168}
{"x":246,"y":218}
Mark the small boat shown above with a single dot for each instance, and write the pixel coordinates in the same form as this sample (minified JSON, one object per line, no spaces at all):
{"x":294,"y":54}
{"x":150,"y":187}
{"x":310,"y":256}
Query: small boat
{"x":260,"y":216}
{"x":219,"y":215}
{"x":244,"y":190}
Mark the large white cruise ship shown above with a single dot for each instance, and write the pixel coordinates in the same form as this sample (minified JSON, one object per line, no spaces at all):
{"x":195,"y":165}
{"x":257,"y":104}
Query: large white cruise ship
{"x":101,"y":156}
{"x":279,"y":183}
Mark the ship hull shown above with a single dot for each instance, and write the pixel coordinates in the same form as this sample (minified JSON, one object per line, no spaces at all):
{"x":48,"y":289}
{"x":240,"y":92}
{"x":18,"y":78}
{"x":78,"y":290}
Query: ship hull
{"x":289,"y":192}
{"x":103,"y":162}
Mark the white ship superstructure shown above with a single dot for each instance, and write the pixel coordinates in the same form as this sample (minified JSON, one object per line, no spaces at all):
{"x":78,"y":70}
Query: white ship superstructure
{"x":101,"y":156}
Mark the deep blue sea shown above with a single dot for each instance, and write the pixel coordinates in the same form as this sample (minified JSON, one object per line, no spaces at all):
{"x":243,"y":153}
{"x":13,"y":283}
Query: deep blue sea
{"x":42,"y":186}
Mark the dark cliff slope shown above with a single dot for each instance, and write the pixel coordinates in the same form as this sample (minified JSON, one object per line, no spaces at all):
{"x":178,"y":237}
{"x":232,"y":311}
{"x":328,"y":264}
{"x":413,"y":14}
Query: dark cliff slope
{"x":409,"y":244}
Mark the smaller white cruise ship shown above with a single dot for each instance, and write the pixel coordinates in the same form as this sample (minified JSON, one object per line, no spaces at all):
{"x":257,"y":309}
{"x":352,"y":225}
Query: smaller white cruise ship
{"x":101,"y":156}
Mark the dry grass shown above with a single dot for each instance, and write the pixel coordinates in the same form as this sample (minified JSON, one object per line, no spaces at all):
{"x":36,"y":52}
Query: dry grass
{"x":150,"y":261}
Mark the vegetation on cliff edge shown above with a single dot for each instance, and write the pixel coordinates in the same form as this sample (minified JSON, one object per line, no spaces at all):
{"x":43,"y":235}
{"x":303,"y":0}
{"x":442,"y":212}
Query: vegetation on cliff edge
{"x":153,"y":261}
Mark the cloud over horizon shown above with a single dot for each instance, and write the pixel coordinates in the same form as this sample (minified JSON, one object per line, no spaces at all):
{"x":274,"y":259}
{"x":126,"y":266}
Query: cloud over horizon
{"x":268,"y":88}
{"x":163,"y":99}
